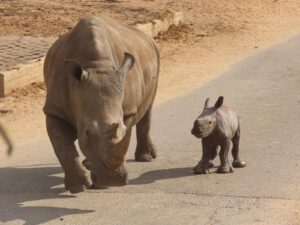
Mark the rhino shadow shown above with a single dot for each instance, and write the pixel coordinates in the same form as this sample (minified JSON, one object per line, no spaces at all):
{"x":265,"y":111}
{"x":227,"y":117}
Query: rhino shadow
{"x":162,"y":174}
{"x":22,"y":184}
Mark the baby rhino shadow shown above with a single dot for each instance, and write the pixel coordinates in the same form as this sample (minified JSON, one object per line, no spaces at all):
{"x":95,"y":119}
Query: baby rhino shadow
{"x":163,"y":174}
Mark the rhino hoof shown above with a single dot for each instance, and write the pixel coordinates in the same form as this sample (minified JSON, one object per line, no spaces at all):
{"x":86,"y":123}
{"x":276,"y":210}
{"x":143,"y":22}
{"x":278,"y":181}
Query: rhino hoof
{"x":77,"y":189}
{"x":145,"y":153}
{"x":210,"y":164}
{"x":144,"y":157}
{"x":104,"y":179}
{"x":224,"y":169}
{"x":200,"y":170}
{"x":79,"y":185}
{"x":238,"y":164}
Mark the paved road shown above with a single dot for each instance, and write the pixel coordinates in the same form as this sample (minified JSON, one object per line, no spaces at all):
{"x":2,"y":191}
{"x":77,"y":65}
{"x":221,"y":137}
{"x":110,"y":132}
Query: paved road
{"x":264,"y":88}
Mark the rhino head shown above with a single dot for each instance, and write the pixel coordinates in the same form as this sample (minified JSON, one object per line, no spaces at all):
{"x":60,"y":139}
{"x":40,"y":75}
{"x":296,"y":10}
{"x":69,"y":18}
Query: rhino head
{"x":96,"y":96}
{"x":205,"y":124}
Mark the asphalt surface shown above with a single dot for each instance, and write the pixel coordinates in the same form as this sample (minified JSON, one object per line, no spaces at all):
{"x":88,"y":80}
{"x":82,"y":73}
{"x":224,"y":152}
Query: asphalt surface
{"x":263,"y":88}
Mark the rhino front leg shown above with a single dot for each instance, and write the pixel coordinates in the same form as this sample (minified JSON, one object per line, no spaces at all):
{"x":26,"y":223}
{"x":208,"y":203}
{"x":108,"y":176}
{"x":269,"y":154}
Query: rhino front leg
{"x":213,"y":154}
{"x":207,"y":154}
{"x":145,"y":150}
{"x":62,"y":136}
{"x":225,"y":166}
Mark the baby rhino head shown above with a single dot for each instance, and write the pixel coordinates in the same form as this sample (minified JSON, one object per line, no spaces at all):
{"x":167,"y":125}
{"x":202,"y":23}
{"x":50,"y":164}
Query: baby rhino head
{"x":205,"y":124}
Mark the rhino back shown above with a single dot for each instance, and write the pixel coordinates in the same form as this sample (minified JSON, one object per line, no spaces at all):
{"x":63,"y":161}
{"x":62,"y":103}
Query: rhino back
{"x":228,"y":121}
{"x":94,"y":39}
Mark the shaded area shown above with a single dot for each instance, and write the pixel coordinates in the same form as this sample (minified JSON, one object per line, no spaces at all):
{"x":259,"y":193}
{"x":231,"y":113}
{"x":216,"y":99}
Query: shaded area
{"x":23,"y":184}
{"x":163,"y":174}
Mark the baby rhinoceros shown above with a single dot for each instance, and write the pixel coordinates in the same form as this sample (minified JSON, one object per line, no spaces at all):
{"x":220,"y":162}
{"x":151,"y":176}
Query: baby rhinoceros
{"x":217,"y":126}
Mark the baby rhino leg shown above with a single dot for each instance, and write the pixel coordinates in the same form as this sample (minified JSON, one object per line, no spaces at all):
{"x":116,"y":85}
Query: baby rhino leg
{"x":237,"y":163}
{"x":204,"y":164}
{"x":213,"y":154}
{"x":225,"y":166}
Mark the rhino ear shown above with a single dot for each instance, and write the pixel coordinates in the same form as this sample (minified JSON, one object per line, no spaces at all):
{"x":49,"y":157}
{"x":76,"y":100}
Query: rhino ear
{"x":127,"y":64}
{"x":219,"y":102}
{"x":76,"y":70}
{"x":206,"y":104}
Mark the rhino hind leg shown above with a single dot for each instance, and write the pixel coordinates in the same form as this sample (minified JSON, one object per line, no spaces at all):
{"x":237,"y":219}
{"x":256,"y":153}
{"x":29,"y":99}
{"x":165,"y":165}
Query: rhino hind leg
{"x":237,"y":163}
{"x":145,"y":150}
{"x":62,"y":136}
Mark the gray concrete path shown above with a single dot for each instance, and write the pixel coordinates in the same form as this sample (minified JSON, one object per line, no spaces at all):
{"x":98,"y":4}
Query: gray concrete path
{"x":264,"y":88}
{"x":16,"y":51}
{"x":21,"y":61}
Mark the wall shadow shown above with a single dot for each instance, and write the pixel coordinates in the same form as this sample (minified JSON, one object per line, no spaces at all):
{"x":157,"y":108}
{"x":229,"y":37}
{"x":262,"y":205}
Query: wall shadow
{"x":163,"y":174}
{"x":22,"y":184}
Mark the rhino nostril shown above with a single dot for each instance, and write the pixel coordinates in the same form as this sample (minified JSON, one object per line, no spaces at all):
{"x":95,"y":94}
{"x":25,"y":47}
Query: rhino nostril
{"x":90,"y":132}
{"x":92,"y":129}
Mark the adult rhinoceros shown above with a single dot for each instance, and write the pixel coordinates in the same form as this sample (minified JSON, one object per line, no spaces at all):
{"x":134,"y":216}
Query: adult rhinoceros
{"x":101,"y":80}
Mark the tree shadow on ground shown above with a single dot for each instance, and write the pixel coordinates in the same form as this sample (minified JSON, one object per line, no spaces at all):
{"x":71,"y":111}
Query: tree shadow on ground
{"x":162,"y":174}
{"x":22,"y":184}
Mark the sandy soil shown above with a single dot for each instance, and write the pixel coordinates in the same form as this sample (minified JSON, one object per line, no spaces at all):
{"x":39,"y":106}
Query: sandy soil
{"x":214,"y":35}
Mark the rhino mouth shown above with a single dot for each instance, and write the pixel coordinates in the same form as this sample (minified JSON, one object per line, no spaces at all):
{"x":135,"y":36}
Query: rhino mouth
{"x":197,"y":132}
{"x":104,"y":178}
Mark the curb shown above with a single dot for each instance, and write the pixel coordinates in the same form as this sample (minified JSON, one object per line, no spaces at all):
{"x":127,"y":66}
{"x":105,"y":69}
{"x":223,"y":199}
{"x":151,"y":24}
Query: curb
{"x":21,"y":61}
{"x":32,"y":71}
{"x":24,"y":75}
{"x":158,"y":25}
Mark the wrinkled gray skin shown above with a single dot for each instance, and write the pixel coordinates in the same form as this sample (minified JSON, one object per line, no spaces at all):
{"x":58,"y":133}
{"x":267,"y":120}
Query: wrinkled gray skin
{"x":101,"y":80}
{"x":6,"y":139}
{"x":218,"y":126}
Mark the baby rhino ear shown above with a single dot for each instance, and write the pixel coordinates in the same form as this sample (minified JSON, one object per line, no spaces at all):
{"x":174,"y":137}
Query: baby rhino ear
{"x":219,"y":102}
{"x":206,"y":104}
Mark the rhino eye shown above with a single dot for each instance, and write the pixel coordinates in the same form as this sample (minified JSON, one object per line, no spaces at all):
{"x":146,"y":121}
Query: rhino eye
{"x":77,"y":73}
{"x":80,"y":74}
{"x":209,"y":122}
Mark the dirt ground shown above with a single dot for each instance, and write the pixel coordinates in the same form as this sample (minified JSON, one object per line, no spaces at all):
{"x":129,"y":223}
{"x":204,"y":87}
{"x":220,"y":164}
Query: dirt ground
{"x":215,"y":34}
